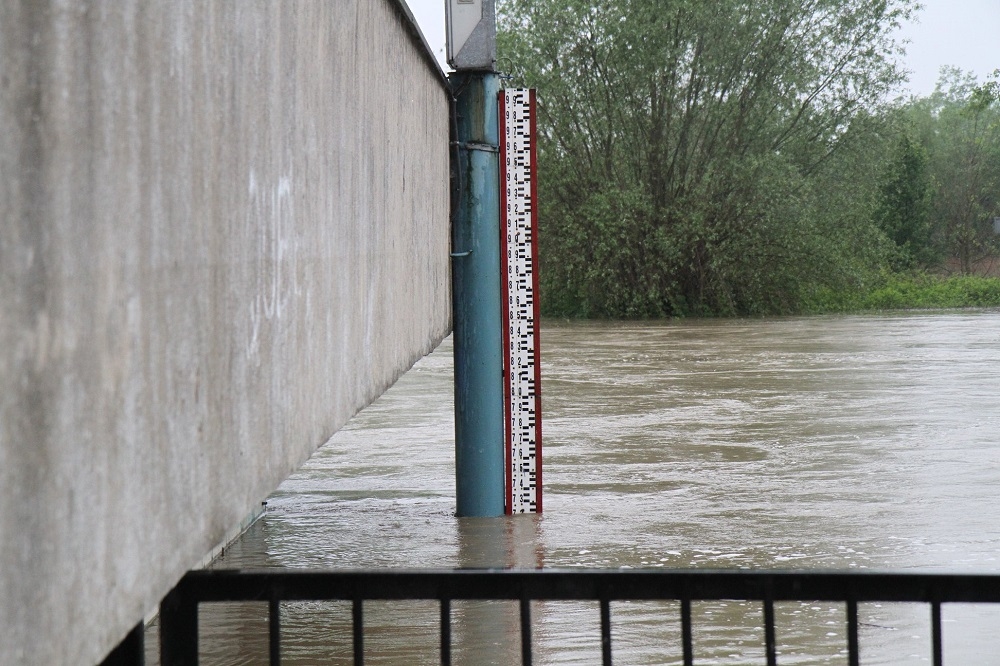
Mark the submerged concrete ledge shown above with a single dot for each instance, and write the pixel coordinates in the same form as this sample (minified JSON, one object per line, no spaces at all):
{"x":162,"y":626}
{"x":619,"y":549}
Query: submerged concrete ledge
{"x":223,"y":231}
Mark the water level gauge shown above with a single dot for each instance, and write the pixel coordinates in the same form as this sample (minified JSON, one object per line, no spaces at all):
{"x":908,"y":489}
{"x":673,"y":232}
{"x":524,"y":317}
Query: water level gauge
{"x":519,"y":252}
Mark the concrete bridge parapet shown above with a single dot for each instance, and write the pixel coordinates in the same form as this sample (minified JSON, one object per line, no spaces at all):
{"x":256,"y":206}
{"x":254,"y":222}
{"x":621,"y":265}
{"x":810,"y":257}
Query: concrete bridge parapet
{"x":223,"y":231}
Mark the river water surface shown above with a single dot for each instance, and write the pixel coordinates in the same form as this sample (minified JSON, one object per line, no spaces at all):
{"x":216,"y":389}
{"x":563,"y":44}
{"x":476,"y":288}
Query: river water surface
{"x":824,"y":442}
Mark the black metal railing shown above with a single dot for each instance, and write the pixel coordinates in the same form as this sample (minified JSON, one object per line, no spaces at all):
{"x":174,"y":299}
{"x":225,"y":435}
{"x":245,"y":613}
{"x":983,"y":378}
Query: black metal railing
{"x":179,"y":609}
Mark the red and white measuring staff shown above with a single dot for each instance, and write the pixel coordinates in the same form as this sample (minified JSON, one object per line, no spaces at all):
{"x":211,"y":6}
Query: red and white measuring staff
{"x":519,"y":252}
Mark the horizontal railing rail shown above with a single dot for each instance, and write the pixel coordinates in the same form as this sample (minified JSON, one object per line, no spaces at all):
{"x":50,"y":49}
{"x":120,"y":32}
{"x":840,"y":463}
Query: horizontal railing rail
{"x":179,"y":609}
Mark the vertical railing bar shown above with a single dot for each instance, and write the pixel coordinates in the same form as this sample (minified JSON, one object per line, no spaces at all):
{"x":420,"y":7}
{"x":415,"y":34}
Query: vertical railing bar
{"x":274,"y":631}
{"x":686,"y":632}
{"x":852,"y":633}
{"x":936,"y":633}
{"x":769,"y":641}
{"x":606,"y":632}
{"x":357,"y":617}
{"x":445,"y":632}
{"x":525,"y":631}
{"x":178,"y":628}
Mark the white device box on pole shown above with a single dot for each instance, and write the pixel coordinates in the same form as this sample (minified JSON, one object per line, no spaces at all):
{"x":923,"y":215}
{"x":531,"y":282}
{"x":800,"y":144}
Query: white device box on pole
{"x":471,"y":28}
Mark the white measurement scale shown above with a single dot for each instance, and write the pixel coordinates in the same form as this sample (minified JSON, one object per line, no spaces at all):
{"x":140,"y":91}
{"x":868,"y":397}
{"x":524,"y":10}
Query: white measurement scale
{"x":519,"y":251}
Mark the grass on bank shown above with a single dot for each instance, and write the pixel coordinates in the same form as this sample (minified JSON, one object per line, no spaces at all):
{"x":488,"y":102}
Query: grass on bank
{"x":910,"y":292}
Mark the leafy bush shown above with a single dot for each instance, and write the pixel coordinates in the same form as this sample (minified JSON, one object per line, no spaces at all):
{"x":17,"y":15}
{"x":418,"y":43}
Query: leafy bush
{"x":909,"y":292}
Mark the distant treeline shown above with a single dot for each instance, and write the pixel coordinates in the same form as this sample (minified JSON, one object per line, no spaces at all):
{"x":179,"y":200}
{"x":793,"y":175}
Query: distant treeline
{"x":735,"y":158}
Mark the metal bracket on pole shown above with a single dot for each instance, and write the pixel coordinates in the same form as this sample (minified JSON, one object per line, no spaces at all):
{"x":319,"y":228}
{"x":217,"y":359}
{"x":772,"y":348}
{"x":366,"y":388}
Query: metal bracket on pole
{"x":472,"y":145}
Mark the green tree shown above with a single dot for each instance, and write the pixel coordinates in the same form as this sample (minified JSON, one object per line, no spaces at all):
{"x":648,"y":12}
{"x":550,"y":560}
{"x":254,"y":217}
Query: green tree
{"x":964,"y":145}
{"x":683,"y":144}
{"x":904,"y":206}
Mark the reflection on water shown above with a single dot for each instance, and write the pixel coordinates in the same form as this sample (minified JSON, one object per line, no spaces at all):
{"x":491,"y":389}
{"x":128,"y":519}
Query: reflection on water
{"x":827,"y":442}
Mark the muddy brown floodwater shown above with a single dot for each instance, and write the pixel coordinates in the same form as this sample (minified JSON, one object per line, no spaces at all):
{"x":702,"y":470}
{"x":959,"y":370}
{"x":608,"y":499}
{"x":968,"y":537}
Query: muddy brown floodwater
{"x":823,"y":442}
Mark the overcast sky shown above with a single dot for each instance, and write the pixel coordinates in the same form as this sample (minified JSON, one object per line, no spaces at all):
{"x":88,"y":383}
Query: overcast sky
{"x":963,"y":33}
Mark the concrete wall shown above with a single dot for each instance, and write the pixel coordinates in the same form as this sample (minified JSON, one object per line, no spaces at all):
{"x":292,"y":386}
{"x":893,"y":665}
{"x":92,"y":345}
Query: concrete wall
{"x":223,"y":230}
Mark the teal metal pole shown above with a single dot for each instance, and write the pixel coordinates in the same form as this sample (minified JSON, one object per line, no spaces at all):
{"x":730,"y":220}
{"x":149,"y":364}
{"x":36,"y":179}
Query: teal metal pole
{"x":479,"y":408}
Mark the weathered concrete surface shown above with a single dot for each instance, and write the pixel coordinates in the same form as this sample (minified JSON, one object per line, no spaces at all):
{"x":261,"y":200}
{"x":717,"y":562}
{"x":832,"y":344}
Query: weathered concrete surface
{"x":224,"y":231}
